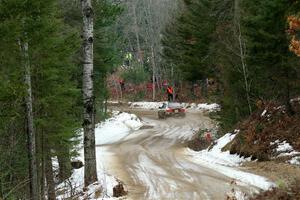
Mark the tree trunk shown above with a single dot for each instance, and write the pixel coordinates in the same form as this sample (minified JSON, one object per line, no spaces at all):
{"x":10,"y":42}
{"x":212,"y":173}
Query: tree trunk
{"x":49,"y":175}
{"x":136,"y":31}
{"x":287,"y":95}
{"x":105,"y":106}
{"x":41,"y":151}
{"x":204,"y":88}
{"x":242,"y":52}
{"x":173,"y":80}
{"x":153,"y":73}
{"x":34,"y":188}
{"x":90,"y":170}
{"x":64,"y":164}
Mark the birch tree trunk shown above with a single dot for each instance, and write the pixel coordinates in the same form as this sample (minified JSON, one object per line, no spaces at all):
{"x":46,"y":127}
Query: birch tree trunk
{"x":34,"y":188}
{"x":90,"y":170}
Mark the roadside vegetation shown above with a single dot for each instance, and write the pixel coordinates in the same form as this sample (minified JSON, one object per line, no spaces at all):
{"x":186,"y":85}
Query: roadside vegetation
{"x":61,"y":61}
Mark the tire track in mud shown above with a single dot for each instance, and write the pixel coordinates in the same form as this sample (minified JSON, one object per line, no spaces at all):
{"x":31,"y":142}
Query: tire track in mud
{"x":152,"y":164}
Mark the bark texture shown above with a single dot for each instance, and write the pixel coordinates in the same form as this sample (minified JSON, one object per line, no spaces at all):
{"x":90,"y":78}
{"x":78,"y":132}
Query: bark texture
{"x":136,"y":31}
{"x":90,"y":172}
{"x":34,"y":189}
{"x":153,"y":73}
{"x":64,"y":163}
{"x":49,"y":176}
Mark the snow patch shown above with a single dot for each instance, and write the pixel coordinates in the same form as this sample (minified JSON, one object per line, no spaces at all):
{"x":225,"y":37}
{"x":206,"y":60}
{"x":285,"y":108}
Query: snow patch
{"x":190,"y":106}
{"x":295,"y":161}
{"x":112,"y":130}
{"x":225,"y":163}
{"x":216,"y":156}
{"x":145,"y":105}
{"x":73,"y":187}
{"x":209,"y":107}
{"x":285,"y":149}
{"x":116,"y":128}
{"x":113,"y":102}
{"x":263,"y":113}
{"x":276,"y":142}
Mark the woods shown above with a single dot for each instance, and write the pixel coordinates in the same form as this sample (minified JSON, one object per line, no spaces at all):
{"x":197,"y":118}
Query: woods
{"x":241,"y":46}
{"x":62,"y":60}
{"x":41,"y":93}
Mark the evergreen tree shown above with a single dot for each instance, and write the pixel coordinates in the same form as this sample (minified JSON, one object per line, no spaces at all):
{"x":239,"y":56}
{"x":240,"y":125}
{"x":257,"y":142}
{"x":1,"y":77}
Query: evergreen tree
{"x":50,"y":49}
{"x":229,"y":56}
{"x":271,"y":70}
{"x":273,"y":67}
{"x":107,"y":50}
{"x":186,"y":40}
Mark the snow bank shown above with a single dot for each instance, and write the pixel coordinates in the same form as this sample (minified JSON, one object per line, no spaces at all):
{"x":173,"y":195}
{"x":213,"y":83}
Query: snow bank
{"x":116,"y":128}
{"x":226,"y":163}
{"x":216,"y":156}
{"x":113,"y":102}
{"x":145,"y":105}
{"x":190,"y":106}
{"x":103,"y":189}
{"x":282,"y":146}
{"x":285,"y":149}
{"x":295,"y":160}
{"x":209,"y":107}
{"x":110,"y":131}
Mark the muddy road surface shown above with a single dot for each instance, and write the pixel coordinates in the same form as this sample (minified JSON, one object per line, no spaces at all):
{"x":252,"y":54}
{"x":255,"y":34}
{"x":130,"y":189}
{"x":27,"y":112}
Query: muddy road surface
{"x":152,"y":164}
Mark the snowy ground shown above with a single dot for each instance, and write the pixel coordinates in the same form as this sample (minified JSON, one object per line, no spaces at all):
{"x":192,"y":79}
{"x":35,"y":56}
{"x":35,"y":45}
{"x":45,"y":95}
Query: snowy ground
{"x":227,"y":164}
{"x":116,"y":128}
{"x":108,"y":132}
{"x":285,"y":149}
{"x":189,"y":106}
{"x":153,"y":158}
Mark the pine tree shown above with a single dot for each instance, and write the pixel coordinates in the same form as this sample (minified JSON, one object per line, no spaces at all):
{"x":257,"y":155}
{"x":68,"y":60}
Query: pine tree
{"x":107,"y":50}
{"x":270,"y":67}
{"x":53,"y":90}
{"x":187,"y":40}
{"x":273,"y":67}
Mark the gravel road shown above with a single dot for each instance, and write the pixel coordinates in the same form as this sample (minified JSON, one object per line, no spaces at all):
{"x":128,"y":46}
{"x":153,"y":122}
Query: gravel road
{"x":152,"y":164}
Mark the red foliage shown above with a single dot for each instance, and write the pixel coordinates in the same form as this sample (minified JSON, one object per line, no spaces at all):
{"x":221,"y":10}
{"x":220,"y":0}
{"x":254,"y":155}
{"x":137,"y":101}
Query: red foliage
{"x":294,"y":28}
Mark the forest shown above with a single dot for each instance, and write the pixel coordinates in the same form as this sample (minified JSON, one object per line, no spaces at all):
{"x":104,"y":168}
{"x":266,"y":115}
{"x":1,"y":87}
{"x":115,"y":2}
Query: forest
{"x":63,"y":62}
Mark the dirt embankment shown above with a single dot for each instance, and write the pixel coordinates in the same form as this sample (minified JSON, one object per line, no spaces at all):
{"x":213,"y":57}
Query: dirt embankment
{"x":272,"y":137}
{"x":259,"y":132}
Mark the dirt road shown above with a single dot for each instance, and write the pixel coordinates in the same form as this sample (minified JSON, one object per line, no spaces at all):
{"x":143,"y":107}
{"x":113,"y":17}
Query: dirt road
{"x":152,"y":164}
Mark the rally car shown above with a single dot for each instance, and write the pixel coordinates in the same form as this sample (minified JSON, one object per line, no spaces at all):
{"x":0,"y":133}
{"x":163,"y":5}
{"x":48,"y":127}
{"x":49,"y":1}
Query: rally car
{"x":170,"y":109}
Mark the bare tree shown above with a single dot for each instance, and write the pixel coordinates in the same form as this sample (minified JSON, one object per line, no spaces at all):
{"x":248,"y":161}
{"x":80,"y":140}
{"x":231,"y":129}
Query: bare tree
{"x":136,"y":31}
{"x":242,"y":51}
{"x":142,"y":23}
{"x":90,"y":170}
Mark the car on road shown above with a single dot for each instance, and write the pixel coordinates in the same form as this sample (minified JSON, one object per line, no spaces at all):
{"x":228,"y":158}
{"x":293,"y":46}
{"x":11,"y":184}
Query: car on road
{"x":168,"y":109}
